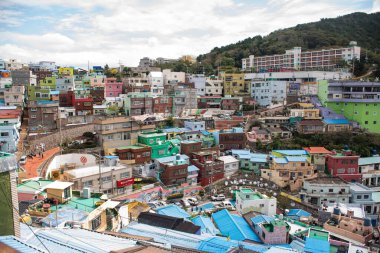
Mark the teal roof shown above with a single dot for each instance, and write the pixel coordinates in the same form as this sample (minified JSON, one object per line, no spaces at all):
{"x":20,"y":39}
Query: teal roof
{"x":173,"y":211}
{"x":291,"y":152}
{"x":32,"y":186}
{"x":316,"y":246}
{"x":206,"y":225}
{"x":234,"y":226}
{"x":336,"y":121}
{"x":369,"y":160}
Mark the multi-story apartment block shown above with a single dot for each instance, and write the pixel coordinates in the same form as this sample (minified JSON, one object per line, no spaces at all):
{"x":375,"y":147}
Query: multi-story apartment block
{"x":11,"y":114}
{"x":23,"y":77}
{"x":369,"y":167}
{"x":173,"y":77}
{"x":318,"y":156}
{"x":248,"y":201}
{"x":134,"y":154}
{"x":43,"y":66}
{"x":42,"y":74}
{"x":210,"y":168}
{"x":118,"y":131}
{"x":83,"y":106}
{"x":364,"y":196}
{"x":268,"y":92}
{"x":357,"y":101}
{"x":195,"y":125}
{"x":113,"y":88}
{"x":213,"y":86}
{"x":98,"y":80}
{"x":136,"y":103}
{"x":43,"y":115}
{"x":156,"y":82}
{"x":97,"y":94}
{"x":13,"y":64}
{"x":228,"y":139}
{"x":173,"y":170}
{"x":296,"y":59}
{"x":231,"y":103}
{"x":252,"y":162}
{"x":66,"y":71}
{"x":136,"y":84}
{"x":235,"y":85}
{"x":325,"y":190}
{"x":65,"y":83}
{"x":199,"y":81}
{"x":9,"y":223}
{"x":14,"y":96}
{"x":184,"y":99}
{"x":9,"y":137}
{"x":205,"y":102}
{"x":289,"y":168}
{"x":159,"y":144}
{"x":344,"y":165}
{"x":231,"y":165}
{"x":163,"y":104}
{"x":146,"y":62}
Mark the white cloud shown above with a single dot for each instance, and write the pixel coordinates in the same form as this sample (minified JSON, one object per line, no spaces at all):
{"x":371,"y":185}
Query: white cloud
{"x":109,"y":31}
{"x":376,"y":6}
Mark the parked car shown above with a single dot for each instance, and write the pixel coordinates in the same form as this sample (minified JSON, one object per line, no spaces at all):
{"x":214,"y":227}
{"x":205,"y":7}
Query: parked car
{"x":218,"y":197}
{"x":228,"y":205}
{"x":185,"y":203}
{"x":192,"y":201}
{"x":22,"y":160}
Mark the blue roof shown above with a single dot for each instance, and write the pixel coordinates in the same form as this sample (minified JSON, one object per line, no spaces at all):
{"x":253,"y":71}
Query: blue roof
{"x":316,"y":246}
{"x":110,"y":156}
{"x":175,"y":130}
{"x":369,"y":160}
{"x":17,"y":244}
{"x":171,"y":158}
{"x":206,"y":225}
{"x":222,"y":245}
{"x":296,"y":158}
{"x":173,"y":211}
{"x":298,"y":212}
{"x":234,"y":226}
{"x":336,"y":121}
{"x":46,"y":102}
{"x":192,"y":168}
{"x":54,"y":92}
{"x":280,"y":160}
{"x":261,"y":218}
{"x":240,"y":151}
{"x":204,"y":132}
{"x":291,"y":152}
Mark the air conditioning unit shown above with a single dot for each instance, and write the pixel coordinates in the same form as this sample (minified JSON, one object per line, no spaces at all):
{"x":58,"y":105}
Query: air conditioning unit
{"x":86,"y":193}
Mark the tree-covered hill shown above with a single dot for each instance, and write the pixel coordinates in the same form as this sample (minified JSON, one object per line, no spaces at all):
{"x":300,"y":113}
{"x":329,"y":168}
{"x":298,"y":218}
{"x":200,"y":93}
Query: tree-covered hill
{"x":326,"y":33}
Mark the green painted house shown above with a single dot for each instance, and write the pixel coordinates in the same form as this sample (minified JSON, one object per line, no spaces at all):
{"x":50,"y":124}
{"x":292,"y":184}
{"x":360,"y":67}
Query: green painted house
{"x":251,"y":162}
{"x":161,"y":147}
{"x":357,"y":101}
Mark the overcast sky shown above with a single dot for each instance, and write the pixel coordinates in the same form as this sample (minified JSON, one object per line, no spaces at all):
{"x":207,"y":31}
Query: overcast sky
{"x":71,"y":32}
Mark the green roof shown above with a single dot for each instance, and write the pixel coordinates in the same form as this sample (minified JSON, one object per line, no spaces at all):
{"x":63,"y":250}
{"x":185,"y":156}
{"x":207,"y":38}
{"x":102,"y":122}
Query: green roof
{"x":84,"y":204}
{"x":130,"y":147}
{"x":33,"y":186}
{"x":318,"y":234}
{"x":252,"y":195}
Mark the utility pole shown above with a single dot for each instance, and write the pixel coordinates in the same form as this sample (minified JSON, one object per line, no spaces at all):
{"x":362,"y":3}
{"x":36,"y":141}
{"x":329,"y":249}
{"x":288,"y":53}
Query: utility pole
{"x":100,"y":172}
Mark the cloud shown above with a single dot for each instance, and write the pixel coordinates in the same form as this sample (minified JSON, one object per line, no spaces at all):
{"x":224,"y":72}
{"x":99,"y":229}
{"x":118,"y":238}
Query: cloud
{"x":376,"y":6}
{"x":108,"y":31}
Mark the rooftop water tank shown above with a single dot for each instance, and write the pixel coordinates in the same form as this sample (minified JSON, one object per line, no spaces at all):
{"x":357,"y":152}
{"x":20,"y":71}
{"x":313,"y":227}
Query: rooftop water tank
{"x":367,"y":222}
{"x":336,"y":211}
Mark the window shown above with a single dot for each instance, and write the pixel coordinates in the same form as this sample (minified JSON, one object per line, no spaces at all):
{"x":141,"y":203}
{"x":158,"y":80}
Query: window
{"x":261,"y":205}
{"x":331,"y":190}
{"x":366,"y":122}
{"x":367,"y":112}
{"x":67,"y":193}
{"x":161,"y":151}
{"x":87,"y":183}
{"x":4,"y":134}
{"x":125,"y":175}
{"x":375,"y":122}
{"x":366,"y":196}
{"x":33,"y":116}
{"x":359,"y":197}
{"x":95,"y":223}
{"x":106,"y":179}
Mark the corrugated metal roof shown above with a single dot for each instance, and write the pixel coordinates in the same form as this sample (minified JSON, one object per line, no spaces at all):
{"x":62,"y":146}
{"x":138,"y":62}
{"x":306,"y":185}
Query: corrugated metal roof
{"x":221,"y":245}
{"x":369,"y":160}
{"x":296,"y":159}
{"x":261,"y":218}
{"x":69,"y":240}
{"x":174,"y":211}
{"x":19,"y":245}
{"x":171,"y":158}
{"x":234,"y":226}
{"x":336,"y":121}
{"x":280,"y":160}
{"x":316,"y":246}
{"x":291,"y":152}
{"x":206,"y":225}
{"x":192,"y":168}
{"x":298,"y":212}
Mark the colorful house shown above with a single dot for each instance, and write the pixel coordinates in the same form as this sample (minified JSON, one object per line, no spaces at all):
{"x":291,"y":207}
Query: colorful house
{"x":113,"y":88}
{"x":159,"y":144}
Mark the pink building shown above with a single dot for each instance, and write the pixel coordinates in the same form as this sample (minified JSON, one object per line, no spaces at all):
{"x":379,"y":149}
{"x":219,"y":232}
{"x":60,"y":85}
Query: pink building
{"x":257,"y":134}
{"x":113,"y":88}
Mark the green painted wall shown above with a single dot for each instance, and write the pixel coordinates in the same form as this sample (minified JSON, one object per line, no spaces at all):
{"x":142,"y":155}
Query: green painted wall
{"x":366,"y":114}
{"x":6,"y":210}
{"x":322,"y":90}
{"x":32,"y":90}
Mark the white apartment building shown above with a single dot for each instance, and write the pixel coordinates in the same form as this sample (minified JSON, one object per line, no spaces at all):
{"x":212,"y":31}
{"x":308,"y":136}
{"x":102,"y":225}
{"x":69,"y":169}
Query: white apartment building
{"x":231,"y":165}
{"x":65,"y":83}
{"x":247,"y":201}
{"x":156,"y":82}
{"x":199,"y":81}
{"x":214,"y":87}
{"x":195,"y":125}
{"x":173,"y":77}
{"x":329,"y":190}
{"x":298,"y":60}
{"x":268,"y":93}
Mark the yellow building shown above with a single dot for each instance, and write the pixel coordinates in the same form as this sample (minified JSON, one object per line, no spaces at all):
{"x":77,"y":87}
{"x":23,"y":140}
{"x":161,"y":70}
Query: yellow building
{"x":289,"y":171}
{"x":66,"y":71}
{"x":235,"y":85}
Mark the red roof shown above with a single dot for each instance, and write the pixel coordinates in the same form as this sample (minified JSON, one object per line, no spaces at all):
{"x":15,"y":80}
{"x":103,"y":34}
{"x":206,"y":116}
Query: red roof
{"x":317,"y":150}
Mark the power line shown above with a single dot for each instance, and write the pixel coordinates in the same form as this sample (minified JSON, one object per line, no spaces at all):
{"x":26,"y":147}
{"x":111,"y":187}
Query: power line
{"x":13,"y":207}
